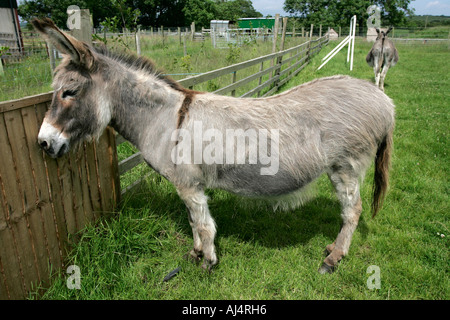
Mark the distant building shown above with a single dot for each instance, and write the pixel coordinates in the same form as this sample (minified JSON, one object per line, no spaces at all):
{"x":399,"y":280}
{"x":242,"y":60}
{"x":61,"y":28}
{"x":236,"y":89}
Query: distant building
{"x":10,"y":35}
{"x":333,"y":35}
{"x":219,"y":25}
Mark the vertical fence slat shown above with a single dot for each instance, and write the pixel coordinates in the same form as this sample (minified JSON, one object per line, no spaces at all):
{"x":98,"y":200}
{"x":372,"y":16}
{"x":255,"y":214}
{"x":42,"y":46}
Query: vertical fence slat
{"x":54,"y":188}
{"x":82,"y":172}
{"x":114,"y":165}
{"x":77,"y":194}
{"x":93,"y":179}
{"x":11,"y":284}
{"x":65,"y":182}
{"x":104,"y":151}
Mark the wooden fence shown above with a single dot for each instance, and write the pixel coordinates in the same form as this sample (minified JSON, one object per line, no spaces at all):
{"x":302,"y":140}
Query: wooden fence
{"x":278,"y":68}
{"x":44,"y":202}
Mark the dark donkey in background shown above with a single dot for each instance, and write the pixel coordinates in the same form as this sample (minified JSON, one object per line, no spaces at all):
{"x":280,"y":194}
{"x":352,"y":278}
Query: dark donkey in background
{"x":335,"y":125}
{"x":382,"y":56}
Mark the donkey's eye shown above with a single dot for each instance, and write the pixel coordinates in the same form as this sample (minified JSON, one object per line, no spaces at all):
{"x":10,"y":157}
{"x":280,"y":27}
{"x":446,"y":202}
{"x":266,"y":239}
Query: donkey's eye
{"x":69,"y":93}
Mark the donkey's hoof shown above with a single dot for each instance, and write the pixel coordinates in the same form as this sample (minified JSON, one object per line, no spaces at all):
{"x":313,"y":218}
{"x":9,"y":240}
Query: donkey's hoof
{"x":325,"y":268}
{"x":193,"y":255}
{"x":208,"y":265}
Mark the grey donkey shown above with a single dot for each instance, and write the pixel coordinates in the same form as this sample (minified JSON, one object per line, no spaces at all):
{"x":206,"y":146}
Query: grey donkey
{"x":278,"y":145}
{"x":382,"y":56}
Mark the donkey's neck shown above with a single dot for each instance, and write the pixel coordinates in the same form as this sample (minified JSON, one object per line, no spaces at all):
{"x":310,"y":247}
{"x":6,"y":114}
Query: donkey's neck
{"x":143,"y":106}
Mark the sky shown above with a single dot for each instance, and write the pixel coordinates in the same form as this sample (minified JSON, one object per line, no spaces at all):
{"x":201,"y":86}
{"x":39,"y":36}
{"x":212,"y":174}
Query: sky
{"x":423,"y":7}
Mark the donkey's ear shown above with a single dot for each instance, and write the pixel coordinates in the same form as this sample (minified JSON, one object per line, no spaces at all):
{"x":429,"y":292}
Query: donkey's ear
{"x":378,"y":30}
{"x":79,"y":53}
{"x":389,"y":30}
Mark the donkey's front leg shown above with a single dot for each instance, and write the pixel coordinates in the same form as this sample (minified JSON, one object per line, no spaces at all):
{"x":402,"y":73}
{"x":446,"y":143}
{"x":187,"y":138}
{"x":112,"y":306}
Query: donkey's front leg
{"x":203,"y":225}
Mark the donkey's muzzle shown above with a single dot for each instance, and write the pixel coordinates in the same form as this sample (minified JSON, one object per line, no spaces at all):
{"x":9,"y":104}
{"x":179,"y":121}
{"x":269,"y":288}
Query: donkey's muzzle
{"x":52,"y":141}
{"x":52,"y":149}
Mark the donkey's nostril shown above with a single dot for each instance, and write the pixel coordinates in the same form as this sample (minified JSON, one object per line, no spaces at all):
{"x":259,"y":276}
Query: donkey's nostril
{"x":43,"y":144}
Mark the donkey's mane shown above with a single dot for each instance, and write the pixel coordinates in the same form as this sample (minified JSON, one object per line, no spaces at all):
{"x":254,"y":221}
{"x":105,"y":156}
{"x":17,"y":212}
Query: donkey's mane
{"x":139,"y":63}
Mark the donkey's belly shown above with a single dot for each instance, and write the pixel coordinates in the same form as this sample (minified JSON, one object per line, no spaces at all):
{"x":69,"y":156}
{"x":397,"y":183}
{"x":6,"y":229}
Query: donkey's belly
{"x":248,"y":181}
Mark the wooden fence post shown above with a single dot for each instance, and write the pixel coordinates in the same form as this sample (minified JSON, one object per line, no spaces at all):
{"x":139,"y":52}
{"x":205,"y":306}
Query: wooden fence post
{"x":51,"y":54}
{"x":275,"y":32}
{"x":309,"y":43}
{"x":280,"y":58}
{"x":84,"y":33}
{"x":138,"y":42}
{"x":192,"y":31}
{"x":283,"y":35}
{"x":275,"y":38}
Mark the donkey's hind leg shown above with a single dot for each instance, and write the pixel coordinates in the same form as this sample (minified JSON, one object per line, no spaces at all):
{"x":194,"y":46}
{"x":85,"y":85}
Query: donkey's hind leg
{"x":347,"y":189}
{"x":376,"y":71}
{"x":383,"y":75}
{"x":202,"y":224}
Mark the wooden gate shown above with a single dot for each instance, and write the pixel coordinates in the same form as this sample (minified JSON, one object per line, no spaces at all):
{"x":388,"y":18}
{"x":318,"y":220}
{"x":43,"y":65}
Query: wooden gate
{"x":43,"y":201}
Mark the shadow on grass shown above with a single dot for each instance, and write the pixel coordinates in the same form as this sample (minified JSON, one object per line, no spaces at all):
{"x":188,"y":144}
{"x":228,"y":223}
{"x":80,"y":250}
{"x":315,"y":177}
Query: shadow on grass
{"x":247,"y":220}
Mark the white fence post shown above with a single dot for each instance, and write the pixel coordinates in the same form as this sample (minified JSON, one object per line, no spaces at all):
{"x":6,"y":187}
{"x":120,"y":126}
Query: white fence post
{"x":350,"y":40}
{"x":353,"y":42}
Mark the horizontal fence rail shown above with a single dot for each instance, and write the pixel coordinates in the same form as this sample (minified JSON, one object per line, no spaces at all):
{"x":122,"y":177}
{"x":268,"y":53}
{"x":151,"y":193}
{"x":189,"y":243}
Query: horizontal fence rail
{"x":44,"y":202}
{"x":302,"y":53}
{"x":284,"y":65}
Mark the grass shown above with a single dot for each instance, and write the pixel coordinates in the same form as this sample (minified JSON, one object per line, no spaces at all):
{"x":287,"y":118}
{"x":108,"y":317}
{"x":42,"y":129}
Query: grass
{"x":430,"y":32}
{"x":267,"y":255}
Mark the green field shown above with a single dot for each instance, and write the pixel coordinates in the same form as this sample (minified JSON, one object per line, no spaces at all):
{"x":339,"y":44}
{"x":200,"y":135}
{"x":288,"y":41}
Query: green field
{"x":275,"y":255}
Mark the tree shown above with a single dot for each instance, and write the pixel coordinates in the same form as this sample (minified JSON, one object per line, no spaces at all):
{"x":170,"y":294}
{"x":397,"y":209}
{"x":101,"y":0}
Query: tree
{"x":158,"y":13}
{"x":147,"y":13}
{"x":56,"y":10}
{"x":333,"y":13}
{"x":200,"y":11}
{"x":233,"y":10}
{"x":203,"y":11}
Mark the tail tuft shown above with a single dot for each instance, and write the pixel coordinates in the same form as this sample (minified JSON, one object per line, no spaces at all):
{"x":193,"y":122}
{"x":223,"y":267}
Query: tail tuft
{"x":381,"y":174}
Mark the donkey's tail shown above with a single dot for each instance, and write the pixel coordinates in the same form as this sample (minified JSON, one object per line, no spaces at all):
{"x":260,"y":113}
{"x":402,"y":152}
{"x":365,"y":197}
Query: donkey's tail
{"x":381,"y":175}
{"x":381,"y":61}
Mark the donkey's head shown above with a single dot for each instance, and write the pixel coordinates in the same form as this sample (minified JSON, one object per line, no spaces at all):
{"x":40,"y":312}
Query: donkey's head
{"x":79,"y":109}
{"x":381,"y":34}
